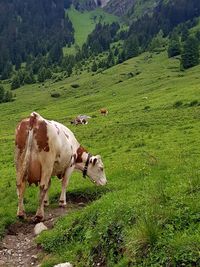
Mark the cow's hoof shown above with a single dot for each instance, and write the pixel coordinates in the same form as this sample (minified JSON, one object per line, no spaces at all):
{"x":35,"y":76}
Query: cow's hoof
{"x":46,"y":203}
{"x":62,"y":204}
{"x":38,"y":218}
{"x":22,"y":216}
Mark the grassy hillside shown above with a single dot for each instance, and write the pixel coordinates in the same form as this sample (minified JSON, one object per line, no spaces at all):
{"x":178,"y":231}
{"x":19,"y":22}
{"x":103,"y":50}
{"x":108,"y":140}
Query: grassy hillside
{"x":148,"y":214}
{"x":84,"y":23}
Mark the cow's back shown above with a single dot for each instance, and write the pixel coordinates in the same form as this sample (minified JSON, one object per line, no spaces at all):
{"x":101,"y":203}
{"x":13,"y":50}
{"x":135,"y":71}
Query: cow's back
{"x":42,"y":146}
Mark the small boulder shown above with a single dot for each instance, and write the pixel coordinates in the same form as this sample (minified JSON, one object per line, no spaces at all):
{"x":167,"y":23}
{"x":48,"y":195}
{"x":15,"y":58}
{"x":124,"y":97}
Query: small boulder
{"x":39,"y":227}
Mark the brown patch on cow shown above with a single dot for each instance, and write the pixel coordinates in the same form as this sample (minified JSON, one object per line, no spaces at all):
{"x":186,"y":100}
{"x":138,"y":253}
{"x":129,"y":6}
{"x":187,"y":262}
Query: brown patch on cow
{"x":22,"y":134}
{"x":34,"y":172}
{"x":80,"y":152}
{"x":41,"y":136}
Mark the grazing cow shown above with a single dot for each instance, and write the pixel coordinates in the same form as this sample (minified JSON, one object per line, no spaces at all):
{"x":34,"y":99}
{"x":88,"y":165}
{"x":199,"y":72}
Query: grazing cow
{"x":81,"y":119}
{"x":104,"y":111}
{"x":46,"y":148}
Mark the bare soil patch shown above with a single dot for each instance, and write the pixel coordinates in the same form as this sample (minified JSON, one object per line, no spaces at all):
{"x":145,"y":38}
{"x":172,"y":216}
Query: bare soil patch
{"x":18,"y":248}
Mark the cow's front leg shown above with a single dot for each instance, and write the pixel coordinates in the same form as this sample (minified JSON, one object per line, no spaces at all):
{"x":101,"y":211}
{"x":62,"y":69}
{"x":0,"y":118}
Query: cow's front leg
{"x":65,"y":182}
{"x":20,"y":192}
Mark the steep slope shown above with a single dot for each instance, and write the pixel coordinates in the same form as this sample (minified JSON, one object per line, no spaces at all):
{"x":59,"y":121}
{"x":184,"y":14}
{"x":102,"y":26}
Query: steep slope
{"x":132,"y":8}
{"x":148,"y":214}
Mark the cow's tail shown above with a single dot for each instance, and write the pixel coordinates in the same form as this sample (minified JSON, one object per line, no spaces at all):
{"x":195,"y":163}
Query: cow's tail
{"x":27,"y":154}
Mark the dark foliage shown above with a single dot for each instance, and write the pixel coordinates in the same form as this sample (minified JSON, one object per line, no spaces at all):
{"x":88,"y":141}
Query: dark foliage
{"x":190,"y":55}
{"x":100,"y":39}
{"x":32,"y":28}
{"x":166,"y":16}
{"x":5,"y":96}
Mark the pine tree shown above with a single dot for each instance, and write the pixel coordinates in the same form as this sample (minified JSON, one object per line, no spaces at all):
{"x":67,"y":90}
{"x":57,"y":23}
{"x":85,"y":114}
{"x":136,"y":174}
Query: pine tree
{"x":41,"y":75}
{"x":110,"y":59}
{"x":131,"y":47}
{"x":190,"y":55}
{"x":94,"y":67}
{"x":8,"y":97}
{"x":6,"y":71}
{"x":174,"y":48}
{"x":2,"y":92}
{"x":15,"y":82}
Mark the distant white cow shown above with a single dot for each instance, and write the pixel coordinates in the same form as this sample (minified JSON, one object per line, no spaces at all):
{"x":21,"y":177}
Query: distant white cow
{"x":46,"y":148}
{"x":81,"y":119}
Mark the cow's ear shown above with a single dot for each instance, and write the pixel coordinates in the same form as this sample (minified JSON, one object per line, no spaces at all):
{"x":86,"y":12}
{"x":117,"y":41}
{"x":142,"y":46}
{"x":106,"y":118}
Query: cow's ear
{"x":94,"y":161}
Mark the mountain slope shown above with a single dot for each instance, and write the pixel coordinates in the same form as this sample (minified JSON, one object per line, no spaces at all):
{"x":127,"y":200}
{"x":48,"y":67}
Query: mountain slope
{"x":148,"y":214}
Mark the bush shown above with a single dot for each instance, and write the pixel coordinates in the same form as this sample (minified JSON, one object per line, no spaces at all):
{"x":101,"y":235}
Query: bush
{"x":75,"y":85}
{"x":178,"y":104}
{"x":193,"y":103}
{"x":55,"y":94}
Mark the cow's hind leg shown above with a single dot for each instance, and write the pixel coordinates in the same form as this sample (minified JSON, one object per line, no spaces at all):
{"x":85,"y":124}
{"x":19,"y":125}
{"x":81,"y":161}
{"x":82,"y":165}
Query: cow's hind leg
{"x":46,"y":198}
{"x":65,"y":181}
{"x":40,"y":211}
{"x":20,"y":192}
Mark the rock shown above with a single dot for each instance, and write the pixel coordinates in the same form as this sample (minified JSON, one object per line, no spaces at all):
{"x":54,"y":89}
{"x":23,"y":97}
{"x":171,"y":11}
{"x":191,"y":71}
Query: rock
{"x":2,"y":263}
{"x":39,"y":227}
{"x":66,"y":264}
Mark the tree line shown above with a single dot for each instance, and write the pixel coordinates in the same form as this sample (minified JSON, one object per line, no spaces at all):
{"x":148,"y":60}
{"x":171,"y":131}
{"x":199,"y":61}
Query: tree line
{"x":30,"y":28}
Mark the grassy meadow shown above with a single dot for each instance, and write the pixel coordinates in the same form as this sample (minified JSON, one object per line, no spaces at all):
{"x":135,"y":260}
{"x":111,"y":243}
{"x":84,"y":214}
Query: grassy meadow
{"x":84,"y":23}
{"x":149,"y":213}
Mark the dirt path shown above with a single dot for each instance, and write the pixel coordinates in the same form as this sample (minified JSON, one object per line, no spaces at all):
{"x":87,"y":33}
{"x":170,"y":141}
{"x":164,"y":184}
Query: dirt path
{"x":18,"y":247}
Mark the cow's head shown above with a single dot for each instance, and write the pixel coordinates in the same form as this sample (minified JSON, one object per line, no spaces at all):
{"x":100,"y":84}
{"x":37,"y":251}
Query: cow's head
{"x":96,"y":171}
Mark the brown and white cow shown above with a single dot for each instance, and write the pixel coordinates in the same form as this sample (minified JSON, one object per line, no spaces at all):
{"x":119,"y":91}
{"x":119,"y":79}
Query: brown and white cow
{"x":81,"y":119}
{"x":46,"y":148}
{"x":104,"y":111}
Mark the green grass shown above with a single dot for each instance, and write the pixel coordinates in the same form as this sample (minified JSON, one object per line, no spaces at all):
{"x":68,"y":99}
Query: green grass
{"x":148,"y":214}
{"x":84,"y":23}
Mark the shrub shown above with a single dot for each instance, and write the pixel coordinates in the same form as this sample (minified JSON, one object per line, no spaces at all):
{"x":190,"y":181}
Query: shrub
{"x":55,"y":94}
{"x":75,"y":85}
{"x":178,"y":104}
{"x":193,"y":103}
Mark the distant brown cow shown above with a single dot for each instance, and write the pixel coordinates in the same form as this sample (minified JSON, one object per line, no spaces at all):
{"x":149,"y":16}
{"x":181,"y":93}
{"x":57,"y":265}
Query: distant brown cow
{"x":104,"y":111}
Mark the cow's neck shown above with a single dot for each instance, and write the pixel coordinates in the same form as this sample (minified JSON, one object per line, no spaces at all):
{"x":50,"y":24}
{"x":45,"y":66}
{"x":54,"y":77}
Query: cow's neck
{"x":81,"y":158}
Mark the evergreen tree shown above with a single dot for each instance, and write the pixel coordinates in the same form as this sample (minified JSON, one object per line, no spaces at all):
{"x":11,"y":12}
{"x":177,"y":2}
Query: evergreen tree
{"x":29,"y":77}
{"x":158,"y":42}
{"x":94,"y":66}
{"x":56,"y":54}
{"x":42,"y":75}
{"x":190,"y":55}
{"x":2,"y":92}
{"x":15,"y":82}
{"x":8,"y":97}
{"x":131,"y":47}
{"x":184,"y":33}
{"x":48,"y":74}
{"x":174,"y":48}
{"x":121,"y":57}
{"x":6,"y":71}
{"x":110,"y":59}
